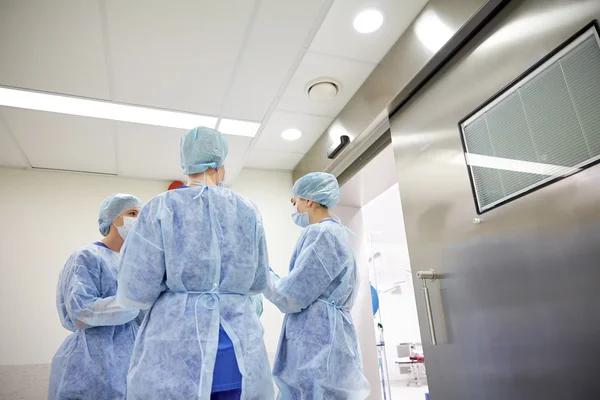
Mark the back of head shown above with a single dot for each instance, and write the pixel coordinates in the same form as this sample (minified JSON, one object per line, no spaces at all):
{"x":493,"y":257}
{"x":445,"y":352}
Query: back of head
{"x":202,"y":149}
{"x":319,"y":187}
{"x":112,"y":207}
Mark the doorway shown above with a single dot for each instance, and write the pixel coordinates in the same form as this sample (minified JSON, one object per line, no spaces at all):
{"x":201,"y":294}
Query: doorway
{"x":390,"y":337}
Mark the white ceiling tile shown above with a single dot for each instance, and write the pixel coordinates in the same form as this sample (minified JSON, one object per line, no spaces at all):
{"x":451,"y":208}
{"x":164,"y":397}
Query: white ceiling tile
{"x":350,"y":74}
{"x":338,"y":37}
{"x":175,"y":54}
{"x":67,"y":142}
{"x":183,"y":55}
{"x":238,"y":147}
{"x":312,"y":126}
{"x":10,"y":153}
{"x":279,"y":32}
{"x":145,"y":151}
{"x":153,"y":152}
{"x":53,"y":46}
{"x":272,"y":160}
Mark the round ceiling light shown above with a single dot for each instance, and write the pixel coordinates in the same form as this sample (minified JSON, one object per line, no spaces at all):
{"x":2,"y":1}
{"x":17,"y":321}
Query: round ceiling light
{"x":291,"y":134}
{"x":323,"y":90}
{"x":368,"y":21}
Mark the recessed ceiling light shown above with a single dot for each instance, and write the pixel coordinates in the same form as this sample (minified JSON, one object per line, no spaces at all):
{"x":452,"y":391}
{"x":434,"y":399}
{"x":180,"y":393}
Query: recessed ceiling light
{"x":368,"y":21}
{"x":238,"y":128}
{"x":102,"y":109}
{"x":291,"y":134}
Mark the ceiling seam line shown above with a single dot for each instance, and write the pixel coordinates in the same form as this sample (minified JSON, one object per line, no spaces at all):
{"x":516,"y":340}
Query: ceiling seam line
{"x":305,"y":113}
{"x":351,"y":59}
{"x":107,"y":50}
{"x":238,"y":61}
{"x":290,"y":74}
{"x":109,"y":74}
{"x":13,"y":139}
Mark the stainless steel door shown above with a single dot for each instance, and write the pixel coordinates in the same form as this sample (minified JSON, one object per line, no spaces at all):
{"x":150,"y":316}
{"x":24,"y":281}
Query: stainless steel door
{"x":516,"y":309}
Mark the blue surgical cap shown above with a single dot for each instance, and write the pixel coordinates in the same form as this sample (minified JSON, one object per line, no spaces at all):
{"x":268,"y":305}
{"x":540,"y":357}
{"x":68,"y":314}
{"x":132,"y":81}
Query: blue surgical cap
{"x":318,"y":187}
{"x":112,"y":207}
{"x":201,"y":149}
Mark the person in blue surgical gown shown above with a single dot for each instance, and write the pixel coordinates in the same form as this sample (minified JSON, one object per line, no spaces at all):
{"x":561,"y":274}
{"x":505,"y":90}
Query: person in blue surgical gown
{"x":92,"y":362}
{"x":318,"y":356}
{"x":194,"y":259}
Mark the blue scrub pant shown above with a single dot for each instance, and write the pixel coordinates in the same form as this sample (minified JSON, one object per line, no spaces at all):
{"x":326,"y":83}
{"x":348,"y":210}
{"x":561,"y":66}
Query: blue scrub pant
{"x":227,"y":395}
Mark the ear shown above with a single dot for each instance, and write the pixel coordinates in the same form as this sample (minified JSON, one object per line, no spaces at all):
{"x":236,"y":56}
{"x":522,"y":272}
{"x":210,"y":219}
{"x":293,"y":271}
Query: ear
{"x":309,"y":203}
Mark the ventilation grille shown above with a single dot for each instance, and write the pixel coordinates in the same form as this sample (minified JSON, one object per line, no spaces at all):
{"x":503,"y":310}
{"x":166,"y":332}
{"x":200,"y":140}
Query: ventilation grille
{"x":543,"y":127}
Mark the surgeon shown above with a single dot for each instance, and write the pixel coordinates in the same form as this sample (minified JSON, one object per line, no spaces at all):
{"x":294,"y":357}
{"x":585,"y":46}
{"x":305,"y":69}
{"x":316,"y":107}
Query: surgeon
{"x":92,"y":362}
{"x":318,"y":356}
{"x":194,"y":259}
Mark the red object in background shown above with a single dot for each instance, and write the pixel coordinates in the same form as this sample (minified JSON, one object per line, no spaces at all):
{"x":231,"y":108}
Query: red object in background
{"x":175,"y":185}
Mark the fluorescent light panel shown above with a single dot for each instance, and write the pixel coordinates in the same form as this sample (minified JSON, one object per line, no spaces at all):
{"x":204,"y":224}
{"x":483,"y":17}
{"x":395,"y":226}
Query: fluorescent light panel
{"x":119,"y":112}
{"x":238,"y":128}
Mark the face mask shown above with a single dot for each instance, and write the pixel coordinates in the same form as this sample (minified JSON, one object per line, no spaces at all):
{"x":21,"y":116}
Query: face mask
{"x":197,"y":182}
{"x":300,"y":219}
{"x":223,"y":180}
{"x":203,"y":181}
{"x":126,"y":228}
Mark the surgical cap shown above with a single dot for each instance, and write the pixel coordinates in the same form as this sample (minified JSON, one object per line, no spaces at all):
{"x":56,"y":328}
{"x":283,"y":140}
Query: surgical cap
{"x":318,"y":187}
{"x":201,"y":149}
{"x":112,"y":207}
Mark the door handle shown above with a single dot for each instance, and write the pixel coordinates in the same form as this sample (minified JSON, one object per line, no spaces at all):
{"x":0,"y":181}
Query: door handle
{"x":424,"y":276}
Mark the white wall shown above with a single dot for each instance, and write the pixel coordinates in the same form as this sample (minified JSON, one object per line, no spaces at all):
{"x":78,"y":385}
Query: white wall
{"x":45,"y":217}
{"x":398,"y":310}
{"x":271,"y":192}
{"x":362,"y":312}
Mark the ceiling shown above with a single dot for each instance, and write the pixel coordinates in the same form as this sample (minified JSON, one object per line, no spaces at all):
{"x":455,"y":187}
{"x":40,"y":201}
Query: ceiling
{"x":236,"y":59}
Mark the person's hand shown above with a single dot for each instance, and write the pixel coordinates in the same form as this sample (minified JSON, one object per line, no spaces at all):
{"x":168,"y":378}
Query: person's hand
{"x":80,"y":325}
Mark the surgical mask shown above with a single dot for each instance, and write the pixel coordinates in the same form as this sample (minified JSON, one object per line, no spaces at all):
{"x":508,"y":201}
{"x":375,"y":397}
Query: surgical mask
{"x":197,"y":182}
{"x":221,"y":183}
{"x":300,"y":219}
{"x":202,"y":182}
{"x":126,"y":227}
{"x":339,"y":221}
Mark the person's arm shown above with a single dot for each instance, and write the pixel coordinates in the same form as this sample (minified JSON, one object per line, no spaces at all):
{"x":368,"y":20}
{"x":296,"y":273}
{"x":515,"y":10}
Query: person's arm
{"x":285,"y":305}
{"x":261,"y":277}
{"x":318,"y":263}
{"x":85,"y":305}
{"x":142,"y":269}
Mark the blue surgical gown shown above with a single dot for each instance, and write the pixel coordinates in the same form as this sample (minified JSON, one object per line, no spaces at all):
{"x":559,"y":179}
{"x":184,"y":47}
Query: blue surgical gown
{"x":194,"y":257}
{"x":226,"y":376}
{"x":92,"y":362}
{"x":318,"y":356}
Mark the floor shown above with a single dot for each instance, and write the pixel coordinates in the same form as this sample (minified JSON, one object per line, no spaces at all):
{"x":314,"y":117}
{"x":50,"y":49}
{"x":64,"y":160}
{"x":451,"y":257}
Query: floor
{"x":402,"y":392}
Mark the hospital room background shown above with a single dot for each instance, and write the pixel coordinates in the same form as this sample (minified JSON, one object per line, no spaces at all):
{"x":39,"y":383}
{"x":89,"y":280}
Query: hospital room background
{"x":467,"y":290}
{"x":51,"y":213}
